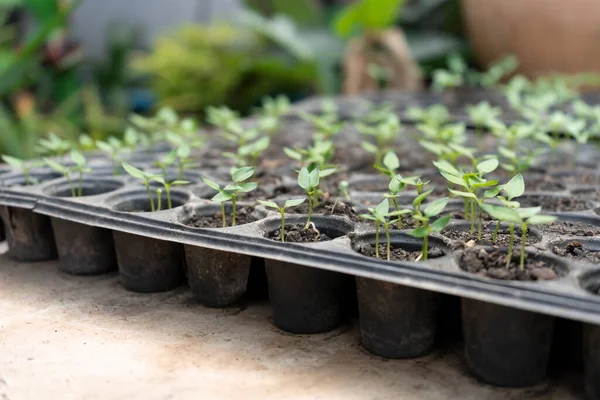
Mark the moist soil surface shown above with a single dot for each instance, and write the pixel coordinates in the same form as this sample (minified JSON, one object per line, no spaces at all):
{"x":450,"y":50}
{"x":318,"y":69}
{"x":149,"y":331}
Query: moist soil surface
{"x":589,"y":195}
{"x":570,"y":228}
{"x":555,"y":203}
{"x":297,"y":234}
{"x":492,"y":264}
{"x":397,"y":253}
{"x":328,"y":207}
{"x":544,"y":184}
{"x":576,"y":250}
{"x":465,"y":238}
{"x":244,"y":215}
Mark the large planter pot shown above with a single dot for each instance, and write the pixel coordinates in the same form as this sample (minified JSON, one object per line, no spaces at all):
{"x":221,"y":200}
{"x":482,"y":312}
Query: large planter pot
{"x":546,"y":36}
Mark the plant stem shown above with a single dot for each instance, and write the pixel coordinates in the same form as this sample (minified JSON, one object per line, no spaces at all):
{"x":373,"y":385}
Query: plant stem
{"x":158,"y":201}
{"x":310,"y":208}
{"x":479,"y":225}
{"x":496,"y":232}
{"x":523,"y":240}
{"x":233,"y":210}
{"x":510,"y":245}
{"x":425,"y":248}
{"x":68,"y":175}
{"x":168,"y":192}
{"x":26,"y":173}
{"x":80,"y":189}
{"x":377,"y":239}
{"x":397,"y":208}
{"x":223,"y":214}
{"x":180,"y":172}
{"x":149,"y":194}
{"x":387,"y":237}
{"x":472,"y":230}
{"x":466,"y":208}
{"x":282,"y":212}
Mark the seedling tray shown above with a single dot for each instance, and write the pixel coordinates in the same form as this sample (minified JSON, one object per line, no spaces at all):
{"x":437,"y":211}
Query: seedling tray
{"x":310,"y":284}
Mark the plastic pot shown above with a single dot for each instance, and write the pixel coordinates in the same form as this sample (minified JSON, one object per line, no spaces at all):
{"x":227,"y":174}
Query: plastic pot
{"x":29,"y":235}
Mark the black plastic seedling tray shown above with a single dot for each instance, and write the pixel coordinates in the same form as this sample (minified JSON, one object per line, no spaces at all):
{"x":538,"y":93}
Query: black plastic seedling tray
{"x":310,"y":284}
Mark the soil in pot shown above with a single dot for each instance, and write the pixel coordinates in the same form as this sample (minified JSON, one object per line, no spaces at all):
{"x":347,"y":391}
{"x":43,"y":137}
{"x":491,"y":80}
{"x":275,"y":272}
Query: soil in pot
{"x":576,"y":250}
{"x":492,"y":264}
{"x":396,"y":253}
{"x":328,"y":207}
{"x":555,"y":203}
{"x":244,"y":215}
{"x":545,"y":184}
{"x":466,"y":239}
{"x":297,"y":234}
{"x":570,"y":228}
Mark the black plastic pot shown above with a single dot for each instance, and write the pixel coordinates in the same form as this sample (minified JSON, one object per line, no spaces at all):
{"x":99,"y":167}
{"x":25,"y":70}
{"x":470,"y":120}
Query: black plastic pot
{"x":29,"y":235}
{"x":83,"y":249}
{"x":217,"y":278}
{"x":148,"y":265}
{"x":506,"y":346}
{"x":591,"y":360}
{"x":304,"y":299}
{"x":397,"y":321}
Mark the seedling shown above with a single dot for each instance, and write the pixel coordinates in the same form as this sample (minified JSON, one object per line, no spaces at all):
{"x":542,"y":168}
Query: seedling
{"x":144,"y":177}
{"x":517,"y":163}
{"x":221,"y":117}
{"x":52,"y":145}
{"x":86,"y":143}
{"x":317,"y":155}
{"x":524,"y":217}
{"x":390,"y":162}
{"x":427,"y":226}
{"x":381,"y":214}
{"x":325,"y":126}
{"x":513,"y":189}
{"x":396,"y":185}
{"x":434,"y":116}
{"x":79,"y":167}
{"x":114,"y":148}
{"x":247,"y":155}
{"x":25,"y":167}
{"x":309,"y":181}
{"x":513,"y":134}
{"x":232,"y":191}
{"x":281,"y":210}
{"x":343,"y":189}
{"x":167,"y":186}
{"x":483,"y":116}
{"x":385,"y":133}
{"x":562,"y":123}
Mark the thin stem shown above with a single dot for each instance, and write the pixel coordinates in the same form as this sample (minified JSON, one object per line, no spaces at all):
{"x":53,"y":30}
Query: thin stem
{"x":523,"y":240}
{"x":233,"y":210}
{"x":377,"y":239}
{"x":495,"y":237}
{"x":479,"y":225}
{"x":282,"y":212}
{"x":472,"y":216}
{"x":149,"y":194}
{"x":310,"y":208}
{"x":158,"y":200}
{"x":26,"y":173}
{"x":425,"y":248}
{"x":397,"y":208}
{"x":466,"y":208}
{"x":387,"y":237}
{"x":68,"y":175}
{"x":80,"y":189}
{"x":223,"y":214}
{"x":180,"y":172}
{"x":510,"y":245}
{"x":168,"y":191}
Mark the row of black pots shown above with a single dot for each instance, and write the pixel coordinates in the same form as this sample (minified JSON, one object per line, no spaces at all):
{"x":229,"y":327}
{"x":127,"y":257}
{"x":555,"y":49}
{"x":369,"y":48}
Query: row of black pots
{"x":503,"y":346}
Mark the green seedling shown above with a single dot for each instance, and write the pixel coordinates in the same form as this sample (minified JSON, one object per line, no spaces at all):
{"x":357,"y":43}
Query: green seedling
{"x":471,"y":183}
{"x":385,"y":133}
{"x":309,"y":181}
{"x":343,"y":189}
{"x":25,"y":167}
{"x":514,"y":134}
{"x":330,"y":110}
{"x":114,"y":148}
{"x":86,"y":143}
{"x":324,"y":125}
{"x":561,"y":123}
{"x":78,"y":167}
{"x":145,"y":178}
{"x":451,"y":133}
{"x":275,"y":106}
{"x":52,"y":145}
{"x":221,"y":117}
{"x":382,"y":215}
{"x":396,"y":185}
{"x":232,"y":191}
{"x":517,"y":163}
{"x":524,"y":217}
{"x":434,"y":116}
{"x":247,"y":155}
{"x":281,"y":210}
{"x":427,"y":226}
{"x":319,"y":154}
{"x":167,"y":187}
{"x":483,"y":116}
{"x":390,"y":162}
{"x":512,"y":189}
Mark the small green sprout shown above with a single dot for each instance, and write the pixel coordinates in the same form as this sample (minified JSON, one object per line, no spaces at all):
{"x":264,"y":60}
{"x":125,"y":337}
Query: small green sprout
{"x":390,"y":162}
{"x":483,"y":116}
{"x":167,"y":186}
{"x":427,"y":227}
{"x":318,"y":155}
{"x":281,"y":210}
{"x":79,"y":167}
{"x":385,"y":133}
{"x":25,"y":166}
{"x":86,"y":143}
{"x":561,"y":123}
{"x":232,"y":191}
{"x":114,"y":148}
{"x":435,"y":116}
{"x":221,"y":117}
{"x":516,"y":163}
{"x":382,"y":215}
{"x":325,"y":126}
{"x":343,"y":189}
{"x":247,"y":155}
{"x":396,"y":185}
{"x":512,"y":189}
{"x":309,"y":181}
{"x":145,"y":178}
{"x":52,"y":145}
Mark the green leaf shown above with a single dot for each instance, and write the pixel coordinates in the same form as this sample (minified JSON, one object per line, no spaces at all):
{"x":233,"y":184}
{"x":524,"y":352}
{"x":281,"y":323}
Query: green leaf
{"x":133,"y":171}
{"x":369,"y":147}
{"x":541,"y":219}
{"x":293,"y":154}
{"x":454,"y":179}
{"x":368,"y":216}
{"x":269,"y":204}
{"x":293,"y":202}
{"x":77,"y":158}
{"x":241,"y":174}
{"x":491,"y":193}
{"x":487,"y":166}
{"x":234,"y":187}
{"x":222,"y":197}
{"x":313,"y":178}
{"x":396,"y":184}
{"x":105,"y":147}
{"x":248,"y":187}
{"x":515,"y":187}
{"x":159,"y":179}
{"x":462,"y":194}
{"x":184,"y":150}
{"x":382,"y":208}
{"x":327,"y":171}
{"x":445,"y":166}
{"x":439,"y":224}
{"x":56,"y":166}
{"x":212,"y":184}
{"x":436,"y":207}
{"x":399,"y":212}
{"x":391,"y":161}
{"x":303,"y":178}
{"x":13,"y":161}
{"x":180,"y":183}
{"x":420,"y":232}
{"x":501,"y":213}
{"x":419,"y":199}
{"x":528,"y":212}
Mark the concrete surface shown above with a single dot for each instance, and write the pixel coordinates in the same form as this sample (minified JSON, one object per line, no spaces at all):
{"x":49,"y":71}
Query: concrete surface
{"x":65,"y":337}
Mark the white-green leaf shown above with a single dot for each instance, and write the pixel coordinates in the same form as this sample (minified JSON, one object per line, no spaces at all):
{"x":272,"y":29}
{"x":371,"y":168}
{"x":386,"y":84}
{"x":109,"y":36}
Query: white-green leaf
{"x":436,"y":207}
{"x":439,"y":224}
{"x":221,"y":197}
{"x":293,"y":202}
{"x":105,"y":147}
{"x":462,"y":194}
{"x":15,"y":162}
{"x":241,"y":174}
{"x":487,"y":166}
{"x":133,"y":171}
{"x":159,"y":179}
{"x":270,"y":204}
{"x":419,"y":199}
{"x":501,"y":213}
{"x":180,"y":183}
{"x":454,"y":179}
{"x":77,"y":158}
{"x":515,"y":187}
{"x":293,"y":154}
{"x":445,"y":166}
{"x":369,"y":147}
{"x":527,"y":212}
{"x":420,"y":232}
{"x":541,"y":219}
{"x":382,"y":208}
{"x":248,"y":187}
{"x":391,"y":161}
{"x":56,"y":166}
{"x":303,"y":178}
{"x":326,"y":172}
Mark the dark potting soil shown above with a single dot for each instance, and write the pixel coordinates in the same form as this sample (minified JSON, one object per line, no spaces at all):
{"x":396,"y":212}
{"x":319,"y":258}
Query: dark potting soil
{"x":575,"y":249}
{"x":555,"y":203}
{"x":297,"y":234}
{"x":589,"y":195}
{"x":570,"y":228}
{"x":244,"y":215}
{"x":492,"y":264}
{"x":466,"y":239}
{"x":328,"y":207}
{"x":397,"y":253}
{"x":544,"y":184}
